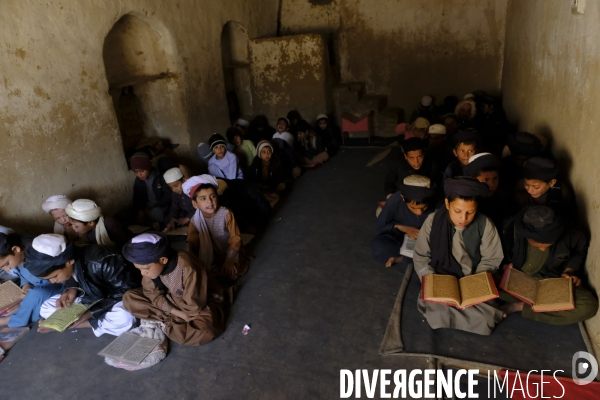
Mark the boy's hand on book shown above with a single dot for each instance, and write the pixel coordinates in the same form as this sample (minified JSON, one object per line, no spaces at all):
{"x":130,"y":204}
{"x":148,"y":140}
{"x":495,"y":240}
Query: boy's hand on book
{"x":87,"y":315}
{"x":409,"y":230}
{"x":25,"y":289}
{"x":568,"y":273}
{"x":67,"y":298}
{"x":170,"y":226}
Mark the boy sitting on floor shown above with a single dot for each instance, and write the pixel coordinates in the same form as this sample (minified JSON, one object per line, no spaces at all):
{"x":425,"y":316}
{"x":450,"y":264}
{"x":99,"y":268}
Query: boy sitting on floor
{"x":91,"y":274}
{"x":35,"y":290}
{"x":213,"y":234}
{"x":413,"y":162}
{"x":243,"y":149}
{"x":181,"y":205}
{"x":545,"y":248}
{"x":465,"y":146}
{"x":151,"y":194}
{"x":177,"y":290}
{"x":457,"y":240}
{"x":87,"y":220}
{"x":403,"y":214}
{"x":224,"y":164}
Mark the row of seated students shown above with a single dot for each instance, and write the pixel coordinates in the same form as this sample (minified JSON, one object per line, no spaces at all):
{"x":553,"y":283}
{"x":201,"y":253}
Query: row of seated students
{"x":96,"y":260}
{"x":480,"y":212}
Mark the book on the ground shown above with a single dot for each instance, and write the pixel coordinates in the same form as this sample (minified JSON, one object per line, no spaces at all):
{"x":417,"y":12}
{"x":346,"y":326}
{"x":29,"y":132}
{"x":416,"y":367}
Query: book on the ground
{"x":180,"y":231}
{"x":129,"y":348}
{"x":460,"y":293}
{"x":552,"y":294}
{"x":10,"y":336}
{"x":62,"y":318}
{"x":10,"y":296}
{"x":408,"y":247}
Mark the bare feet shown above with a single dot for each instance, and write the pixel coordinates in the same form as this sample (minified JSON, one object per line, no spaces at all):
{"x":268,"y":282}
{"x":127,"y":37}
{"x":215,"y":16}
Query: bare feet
{"x":512,"y":308}
{"x":392,"y":261}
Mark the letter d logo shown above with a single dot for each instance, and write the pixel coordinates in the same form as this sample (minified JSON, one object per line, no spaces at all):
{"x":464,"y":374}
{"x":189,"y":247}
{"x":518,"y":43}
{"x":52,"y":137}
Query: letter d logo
{"x":583,"y":362}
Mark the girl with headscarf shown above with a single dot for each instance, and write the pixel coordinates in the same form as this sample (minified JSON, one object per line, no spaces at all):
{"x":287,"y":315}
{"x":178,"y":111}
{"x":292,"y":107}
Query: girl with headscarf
{"x":177,"y":290}
{"x":87,"y":220}
{"x":267,"y":172}
{"x":13,"y":248}
{"x":545,"y":247}
{"x":55,"y":206}
{"x":457,"y":240}
{"x":213,"y":234}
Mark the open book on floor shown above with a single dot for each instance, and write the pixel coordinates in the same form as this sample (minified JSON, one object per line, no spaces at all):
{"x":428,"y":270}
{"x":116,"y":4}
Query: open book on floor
{"x":552,"y":294}
{"x":10,"y":336}
{"x":129,"y":348}
{"x":408,"y":247}
{"x":460,"y":293}
{"x":10,"y":296}
{"x":62,"y":318}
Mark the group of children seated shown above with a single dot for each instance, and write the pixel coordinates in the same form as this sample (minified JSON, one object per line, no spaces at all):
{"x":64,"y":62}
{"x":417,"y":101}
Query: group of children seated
{"x":96,"y":260}
{"x":475,"y":196}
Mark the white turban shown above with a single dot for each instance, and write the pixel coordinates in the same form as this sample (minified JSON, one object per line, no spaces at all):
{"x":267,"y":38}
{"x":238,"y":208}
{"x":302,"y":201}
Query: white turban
{"x":242,"y":122}
{"x":59,"y":201}
{"x":173,"y":175}
{"x":86,"y":210}
{"x":190,"y":185}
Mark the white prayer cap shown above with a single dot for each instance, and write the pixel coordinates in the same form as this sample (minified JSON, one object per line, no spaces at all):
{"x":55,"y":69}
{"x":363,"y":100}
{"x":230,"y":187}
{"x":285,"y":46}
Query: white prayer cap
{"x":242,"y":122}
{"x":191,"y":184}
{"x":417,"y":180}
{"x":426,"y":101}
{"x":84,"y":210}
{"x":437,"y":129}
{"x":476,"y":156}
{"x":146,"y":238}
{"x":173,"y":175}
{"x":56,"y":202}
{"x":468,"y":96}
{"x":50,"y":244}
{"x":322,"y":116}
{"x":5,"y":230}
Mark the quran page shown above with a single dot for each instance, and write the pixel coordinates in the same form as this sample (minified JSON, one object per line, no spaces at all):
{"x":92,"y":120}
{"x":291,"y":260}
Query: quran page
{"x":129,"y":348}
{"x":441,"y":289}
{"x":10,"y":294}
{"x":520,"y":285}
{"x":62,"y":318}
{"x":477,"y":288}
{"x":554,"y":294}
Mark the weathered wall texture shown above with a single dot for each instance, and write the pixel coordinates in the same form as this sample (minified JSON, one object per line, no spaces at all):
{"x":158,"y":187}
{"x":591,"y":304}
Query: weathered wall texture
{"x":550,"y":85}
{"x":289,"y":72}
{"x":407,"y":48}
{"x":58,"y":130}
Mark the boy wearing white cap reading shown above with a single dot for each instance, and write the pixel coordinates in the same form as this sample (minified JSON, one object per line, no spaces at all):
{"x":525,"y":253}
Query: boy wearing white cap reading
{"x":181,"y":205}
{"x":87,"y":220}
{"x":91,"y":274}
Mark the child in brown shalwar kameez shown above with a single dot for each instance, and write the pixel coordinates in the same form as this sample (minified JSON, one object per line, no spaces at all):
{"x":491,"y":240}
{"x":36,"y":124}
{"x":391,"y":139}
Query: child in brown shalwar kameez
{"x":213,"y":234}
{"x":177,"y":289}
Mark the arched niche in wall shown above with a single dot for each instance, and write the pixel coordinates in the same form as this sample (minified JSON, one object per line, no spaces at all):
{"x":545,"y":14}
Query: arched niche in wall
{"x":236,"y":70}
{"x":141,"y":66}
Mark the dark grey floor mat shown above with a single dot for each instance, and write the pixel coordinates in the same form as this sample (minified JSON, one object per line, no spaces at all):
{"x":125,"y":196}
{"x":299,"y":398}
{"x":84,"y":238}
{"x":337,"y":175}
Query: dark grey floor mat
{"x":516,"y":342}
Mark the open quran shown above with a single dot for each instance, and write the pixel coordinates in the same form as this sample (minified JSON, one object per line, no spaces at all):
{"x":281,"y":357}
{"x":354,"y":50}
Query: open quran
{"x":460,"y":293}
{"x":10,"y":296}
{"x":62,"y":318}
{"x":129,"y":348}
{"x":408,"y":247}
{"x":553,"y":294}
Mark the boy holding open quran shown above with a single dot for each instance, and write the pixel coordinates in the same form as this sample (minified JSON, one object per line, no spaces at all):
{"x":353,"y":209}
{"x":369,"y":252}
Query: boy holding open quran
{"x":547,"y":258}
{"x":456,"y":250}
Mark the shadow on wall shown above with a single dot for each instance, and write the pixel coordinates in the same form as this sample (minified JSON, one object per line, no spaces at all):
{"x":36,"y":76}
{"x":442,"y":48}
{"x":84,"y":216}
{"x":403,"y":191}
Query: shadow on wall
{"x":142,"y":67}
{"x":236,"y":70}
